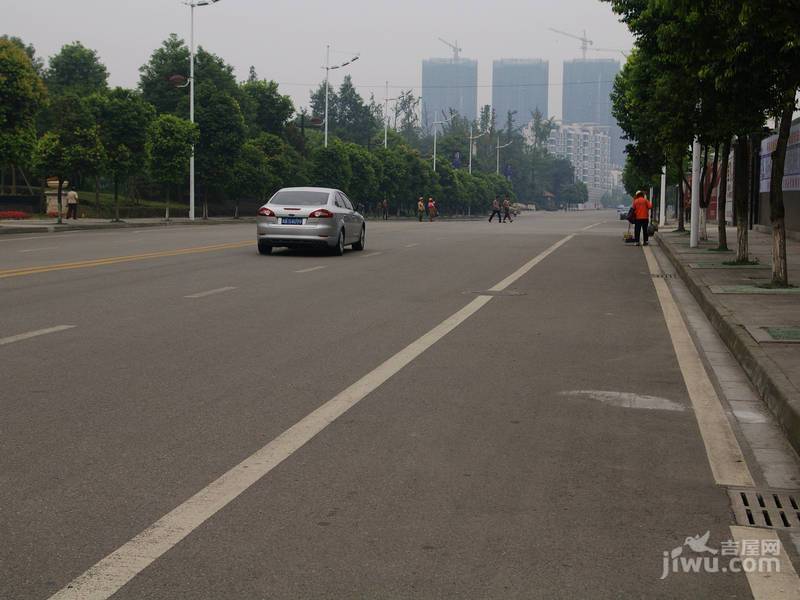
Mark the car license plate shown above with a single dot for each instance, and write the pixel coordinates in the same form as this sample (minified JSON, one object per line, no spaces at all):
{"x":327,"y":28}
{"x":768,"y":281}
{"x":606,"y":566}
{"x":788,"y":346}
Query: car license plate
{"x":291,"y":221}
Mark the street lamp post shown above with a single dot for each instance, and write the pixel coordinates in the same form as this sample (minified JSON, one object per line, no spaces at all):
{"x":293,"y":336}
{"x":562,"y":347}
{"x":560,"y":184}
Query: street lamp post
{"x":472,"y":139}
{"x":386,"y":100}
{"x":436,"y":134}
{"x":192,"y":4}
{"x":499,"y":147}
{"x":328,"y":68}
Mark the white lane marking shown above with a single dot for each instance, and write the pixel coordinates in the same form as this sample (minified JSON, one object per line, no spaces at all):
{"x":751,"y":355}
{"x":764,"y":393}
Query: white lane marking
{"x":33,"y":334}
{"x":529,"y":265}
{"x":107,"y":576}
{"x":211,"y":292}
{"x":628,"y":400}
{"x":411,"y":245}
{"x":723,"y":450}
{"x":588,"y":227}
{"x":782,"y":583}
{"x":317,"y":268}
{"x":372,"y":254}
{"x":38,"y":249}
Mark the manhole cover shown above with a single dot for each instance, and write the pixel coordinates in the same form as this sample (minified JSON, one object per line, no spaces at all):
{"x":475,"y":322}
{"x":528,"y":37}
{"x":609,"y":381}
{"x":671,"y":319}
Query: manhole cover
{"x":491,"y":293}
{"x":776,"y":509}
{"x":774,"y":334}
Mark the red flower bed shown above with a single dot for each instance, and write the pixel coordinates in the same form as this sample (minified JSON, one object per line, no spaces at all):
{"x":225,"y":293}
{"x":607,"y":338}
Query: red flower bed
{"x":14,"y":214}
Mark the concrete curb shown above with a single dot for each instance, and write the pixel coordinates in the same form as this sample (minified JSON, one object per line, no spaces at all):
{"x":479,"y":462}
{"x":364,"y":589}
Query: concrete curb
{"x":775,"y":389}
{"x":53,"y":228}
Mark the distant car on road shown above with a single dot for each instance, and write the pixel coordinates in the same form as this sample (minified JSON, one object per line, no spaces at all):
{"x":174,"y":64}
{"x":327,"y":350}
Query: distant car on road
{"x":309,"y":216}
{"x":622,"y":211}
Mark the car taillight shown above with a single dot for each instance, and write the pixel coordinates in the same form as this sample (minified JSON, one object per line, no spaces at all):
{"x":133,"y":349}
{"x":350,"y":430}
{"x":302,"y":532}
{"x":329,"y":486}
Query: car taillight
{"x":265,"y":212}
{"x":321,"y":214}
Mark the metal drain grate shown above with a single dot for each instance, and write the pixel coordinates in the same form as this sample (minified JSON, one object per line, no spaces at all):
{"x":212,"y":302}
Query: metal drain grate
{"x":663,"y":275}
{"x":775,"y":509}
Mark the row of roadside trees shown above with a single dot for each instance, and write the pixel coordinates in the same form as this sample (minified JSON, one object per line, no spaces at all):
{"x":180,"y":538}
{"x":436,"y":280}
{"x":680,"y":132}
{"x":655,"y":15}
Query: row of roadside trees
{"x":63,"y":120}
{"x":718,"y":71}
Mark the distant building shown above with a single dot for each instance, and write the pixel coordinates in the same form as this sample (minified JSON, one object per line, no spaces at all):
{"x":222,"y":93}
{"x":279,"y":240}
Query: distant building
{"x":587,"y":146}
{"x":587,"y":86}
{"x":519,"y":85}
{"x":449,"y":84}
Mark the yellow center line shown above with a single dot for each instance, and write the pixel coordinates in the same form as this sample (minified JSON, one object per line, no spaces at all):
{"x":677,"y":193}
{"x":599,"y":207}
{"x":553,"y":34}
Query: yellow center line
{"x":99,"y":262}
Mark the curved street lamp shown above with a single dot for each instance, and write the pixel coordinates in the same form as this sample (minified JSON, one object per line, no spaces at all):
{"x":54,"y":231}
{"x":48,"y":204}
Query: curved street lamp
{"x":328,"y":68}
{"x":192,"y":4}
{"x":436,"y":134}
{"x":472,"y":139}
{"x":499,"y":147}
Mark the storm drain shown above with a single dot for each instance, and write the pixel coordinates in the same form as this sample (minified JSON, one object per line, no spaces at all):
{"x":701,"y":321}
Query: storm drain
{"x":663,"y":275}
{"x":775,"y":509}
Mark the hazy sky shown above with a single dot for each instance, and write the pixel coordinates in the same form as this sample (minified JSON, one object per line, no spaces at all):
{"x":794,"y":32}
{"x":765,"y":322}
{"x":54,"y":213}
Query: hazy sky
{"x":285,"y":39}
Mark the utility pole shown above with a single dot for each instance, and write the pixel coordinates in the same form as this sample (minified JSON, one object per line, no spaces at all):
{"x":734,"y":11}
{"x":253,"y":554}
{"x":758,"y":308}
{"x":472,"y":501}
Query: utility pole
{"x":386,"y":117}
{"x":472,"y":139}
{"x":499,"y":147}
{"x":327,"y":89}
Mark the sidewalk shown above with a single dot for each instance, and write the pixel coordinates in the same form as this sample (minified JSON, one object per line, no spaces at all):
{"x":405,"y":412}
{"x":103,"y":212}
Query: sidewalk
{"x":760,"y":326}
{"x":51,"y":225}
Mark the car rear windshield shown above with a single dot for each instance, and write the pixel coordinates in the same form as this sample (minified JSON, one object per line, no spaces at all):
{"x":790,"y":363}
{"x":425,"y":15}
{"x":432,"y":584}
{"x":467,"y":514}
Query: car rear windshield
{"x":299,"y":198}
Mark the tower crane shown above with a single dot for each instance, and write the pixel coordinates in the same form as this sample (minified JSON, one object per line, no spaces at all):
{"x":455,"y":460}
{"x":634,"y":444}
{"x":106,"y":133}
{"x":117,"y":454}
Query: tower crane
{"x":454,"y":47}
{"x":585,"y":42}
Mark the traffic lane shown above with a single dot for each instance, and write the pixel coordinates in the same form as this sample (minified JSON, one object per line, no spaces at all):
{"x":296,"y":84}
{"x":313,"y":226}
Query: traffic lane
{"x":150,"y":413}
{"x":87,"y":245}
{"x":468,"y":474}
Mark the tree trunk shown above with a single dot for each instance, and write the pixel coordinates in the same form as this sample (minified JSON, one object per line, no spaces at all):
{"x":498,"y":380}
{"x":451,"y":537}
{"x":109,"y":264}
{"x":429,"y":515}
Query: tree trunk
{"x":167,"y":194}
{"x":236,"y":209}
{"x":60,"y":189}
{"x":27,"y":183}
{"x":722,"y":198}
{"x":116,"y":199}
{"x":97,"y":192}
{"x":205,"y":205}
{"x":679,"y":208}
{"x":741,"y":186}
{"x":780,"y":271}
{"x":13,"y":180}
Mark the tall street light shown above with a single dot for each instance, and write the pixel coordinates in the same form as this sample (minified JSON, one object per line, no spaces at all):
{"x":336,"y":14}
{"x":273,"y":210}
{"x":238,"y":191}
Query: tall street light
{"x":499,"y":147}
{"x":328,"y":68}
{"x":386,"y":100}
{"x":472,"y":139}
{"x":192,"y":4}
{"x":436,"y":134}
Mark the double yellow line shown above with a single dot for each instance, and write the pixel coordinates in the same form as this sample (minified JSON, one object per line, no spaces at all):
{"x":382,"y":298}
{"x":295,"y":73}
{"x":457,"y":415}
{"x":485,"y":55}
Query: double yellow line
{"x":100,"y":262}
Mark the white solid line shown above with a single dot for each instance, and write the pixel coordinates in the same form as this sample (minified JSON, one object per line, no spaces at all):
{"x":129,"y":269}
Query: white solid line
{"x":769,"y":585}
{"x":412,"y":245}
{"x":317,"y":268}
{"x":723,"y":450}
{"x":33,"y":334}
{"x":106,"y":577}
{"x":38,"y":249}
{"x":372,"y":254}
{"x":211,"y":292}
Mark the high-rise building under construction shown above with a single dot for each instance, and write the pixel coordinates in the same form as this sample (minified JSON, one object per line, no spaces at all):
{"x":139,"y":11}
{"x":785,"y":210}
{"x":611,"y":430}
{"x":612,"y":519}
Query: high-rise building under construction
{"x":449,"y":84}
{"x":519,"y":86}
{"x":587,"y":86}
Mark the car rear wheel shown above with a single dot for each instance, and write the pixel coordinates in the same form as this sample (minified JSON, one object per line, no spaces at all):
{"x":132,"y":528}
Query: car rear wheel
{"x":264,"y":248}
{"x":338,"y":249}
{"x":359,"y":245}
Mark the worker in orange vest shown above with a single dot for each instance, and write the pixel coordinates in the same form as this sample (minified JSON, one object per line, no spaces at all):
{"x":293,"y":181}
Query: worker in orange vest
{"x":641,"y":214}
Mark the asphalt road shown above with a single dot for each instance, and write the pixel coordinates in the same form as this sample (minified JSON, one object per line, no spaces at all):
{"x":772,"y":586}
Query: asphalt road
{"x":471,"y":472}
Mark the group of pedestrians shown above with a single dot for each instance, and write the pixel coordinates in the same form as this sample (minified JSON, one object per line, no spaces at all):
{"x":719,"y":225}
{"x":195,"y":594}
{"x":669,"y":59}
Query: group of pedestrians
{"x":505,"y":206}
{"x":433,"y":210}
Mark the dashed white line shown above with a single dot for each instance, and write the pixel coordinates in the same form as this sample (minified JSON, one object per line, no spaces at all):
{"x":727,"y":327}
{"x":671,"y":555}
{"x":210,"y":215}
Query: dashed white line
{"x":210,"y":292}
{"x":412,"y":245}
{"x":106,"y":577}
{"x":33,"y":334}
{"x":372,"y":254}
{"x":309,"y":270}
{"x":37,"y":249}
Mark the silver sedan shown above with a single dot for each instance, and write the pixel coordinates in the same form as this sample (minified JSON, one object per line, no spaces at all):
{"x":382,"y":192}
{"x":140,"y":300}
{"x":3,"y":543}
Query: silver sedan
{"x":310,"y":216}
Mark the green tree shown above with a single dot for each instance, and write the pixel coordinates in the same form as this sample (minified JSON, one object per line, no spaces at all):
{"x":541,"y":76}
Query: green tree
{"x":168,"y":147}
{"x":76,"y":69}
{"x":222,"y":135}
{"x":330,"y":167}
{"x":22,"y":93}
{"x":36,"y":61}
{"x":265,"y":108}
{"x":123,"y":117}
